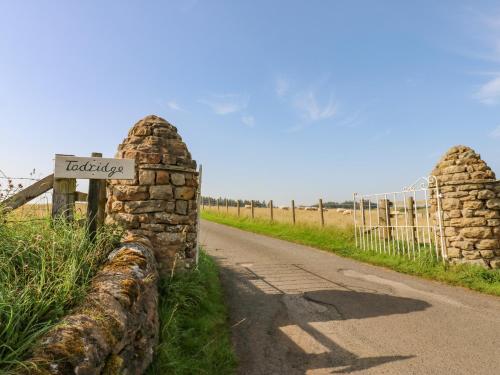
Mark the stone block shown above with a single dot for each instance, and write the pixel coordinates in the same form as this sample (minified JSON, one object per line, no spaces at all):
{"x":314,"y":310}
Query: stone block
{"x":487,"y":245}
{"x":495,"y":263}
{"x":487,"y":254}
{"x":145,"y":206}
{"x":161,"y":192}
{"x":149,"y":158}
{"x":469,"y":222}
{"x":162,"y":177}
{"x":476,"y":232}
{"x":453,"y":252}
{"x":130,"y":193}
{"x":181,"y":207}
{"x":474,"y":204}
{"x":178,"y":179}
{"x":471,"y":255}
{"x":185,"y":193}
{"x":494,"y":222}
{"x":451,"y":204}
{"x":493,"y":204}
{"x":146,"y":177}
{"x":486,"y":194}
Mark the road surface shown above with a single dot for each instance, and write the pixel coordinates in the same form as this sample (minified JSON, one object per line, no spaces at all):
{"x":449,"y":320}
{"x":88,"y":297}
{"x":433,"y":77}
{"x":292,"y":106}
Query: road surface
{"x":297,"y":310}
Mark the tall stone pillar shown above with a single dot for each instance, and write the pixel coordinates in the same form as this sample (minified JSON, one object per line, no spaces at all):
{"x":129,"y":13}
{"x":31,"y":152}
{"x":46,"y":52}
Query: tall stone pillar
{"x":470,"y":200}
{"x":159,"y":205}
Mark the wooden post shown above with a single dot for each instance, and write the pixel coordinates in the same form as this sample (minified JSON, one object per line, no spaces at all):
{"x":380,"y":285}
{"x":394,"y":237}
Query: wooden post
{"x":96,"y":203}
{"x":363,"y":217}
{"x":63,"y":198}
{"x":218,"y":207}
{"x":29,"y":193}
{"x":251,"y":207}
{"x":227,"y":205}
{"x":384,"y":218}
{"x":238,"y":207}
{"x":321,"y":215}
{"x":271,"y":207}
{"x":293,"y":212}
{"x":411,"y":217}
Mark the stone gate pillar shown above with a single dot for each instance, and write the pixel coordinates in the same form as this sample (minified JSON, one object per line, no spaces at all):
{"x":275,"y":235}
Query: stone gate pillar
{"x":159,"y":205}
{"x":470,"y":207}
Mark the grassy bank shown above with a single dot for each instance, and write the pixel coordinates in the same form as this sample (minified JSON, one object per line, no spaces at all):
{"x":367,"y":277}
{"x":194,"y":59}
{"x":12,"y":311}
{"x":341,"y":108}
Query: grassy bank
{"x":45,"y":269}
{"x":194,"y":337}
{"x":341,"y":242}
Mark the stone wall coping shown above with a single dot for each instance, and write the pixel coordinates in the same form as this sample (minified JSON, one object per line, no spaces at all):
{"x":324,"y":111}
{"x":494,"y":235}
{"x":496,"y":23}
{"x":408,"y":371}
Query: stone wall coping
{"x":169,"y":168}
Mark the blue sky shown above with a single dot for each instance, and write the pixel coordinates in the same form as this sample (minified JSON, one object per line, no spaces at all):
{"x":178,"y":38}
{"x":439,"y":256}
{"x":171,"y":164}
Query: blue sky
{"x":277,"y":99}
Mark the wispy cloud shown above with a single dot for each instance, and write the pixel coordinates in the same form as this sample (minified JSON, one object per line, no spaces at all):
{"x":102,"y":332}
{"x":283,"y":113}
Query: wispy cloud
{"x":226,"y":104}
{"x":310,"y":108}
{"x":489,"y":92}
{"x":172,"y":104}
{"x":248,"y":120}
{"x":282,"y":86}
{"x":495,"y":133}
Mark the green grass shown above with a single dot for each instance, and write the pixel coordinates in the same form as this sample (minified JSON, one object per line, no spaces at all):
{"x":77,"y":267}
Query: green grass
{"x":341,"y":242}
{"x":194,"y":337}
{"x":45,"y":269}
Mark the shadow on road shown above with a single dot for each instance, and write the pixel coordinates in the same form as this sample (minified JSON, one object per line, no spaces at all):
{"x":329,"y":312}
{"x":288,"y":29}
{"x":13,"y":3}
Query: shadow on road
{"x":277,"y":329}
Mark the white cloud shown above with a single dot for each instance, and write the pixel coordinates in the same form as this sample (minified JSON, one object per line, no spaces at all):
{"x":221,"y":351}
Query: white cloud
{"x":248,"y":121}
{"x":172,"y":104}
{"x":495,"y":133}
{"x":281,"y":87}
{"x":489,"y":93}
{"x":312,"y":110}
{"x":225,"y":104}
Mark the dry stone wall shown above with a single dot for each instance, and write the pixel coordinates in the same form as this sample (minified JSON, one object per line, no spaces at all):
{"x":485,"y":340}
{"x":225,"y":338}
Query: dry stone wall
{"x":115,"y":329}
{"x":470,"y":201}
{"x":160,"y":203}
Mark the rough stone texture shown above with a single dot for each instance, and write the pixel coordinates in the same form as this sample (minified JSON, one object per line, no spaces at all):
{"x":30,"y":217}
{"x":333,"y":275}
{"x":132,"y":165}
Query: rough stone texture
{"x":470,"y":201}
{"x":115,"y":329}
{"x":161,"y":202}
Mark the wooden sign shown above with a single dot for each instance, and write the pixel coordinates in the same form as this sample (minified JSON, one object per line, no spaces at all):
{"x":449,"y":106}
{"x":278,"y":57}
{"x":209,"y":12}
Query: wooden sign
{"x":94,"y":168}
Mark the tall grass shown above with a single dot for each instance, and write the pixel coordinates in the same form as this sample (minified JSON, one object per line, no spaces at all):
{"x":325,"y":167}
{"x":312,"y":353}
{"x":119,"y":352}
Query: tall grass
{"x":341,"y":242}
{"x":194,"y":337}
{"x":45,"y":269}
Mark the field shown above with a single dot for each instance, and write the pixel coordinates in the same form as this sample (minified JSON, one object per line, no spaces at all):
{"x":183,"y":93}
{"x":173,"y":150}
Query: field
{"x":331,"y":216}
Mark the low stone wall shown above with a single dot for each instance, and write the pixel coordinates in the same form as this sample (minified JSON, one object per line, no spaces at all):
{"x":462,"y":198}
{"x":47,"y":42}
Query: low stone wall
{"x":115,"y":329}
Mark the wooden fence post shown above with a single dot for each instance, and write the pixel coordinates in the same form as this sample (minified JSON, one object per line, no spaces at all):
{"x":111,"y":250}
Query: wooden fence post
{"x":271,"y":207}
{"x":238,"y":207}
{"x":96,"y":203}
{"x":218,"y":207}
{"x":227,"y":205}
{"x":63,"y":198}
{"x":293,"y":212}
{"x":321,"y":214}
{"x":384,"y":218}
{"x":410,"y":202}
{"x":363,"y":217}
{"x":251,"y":207}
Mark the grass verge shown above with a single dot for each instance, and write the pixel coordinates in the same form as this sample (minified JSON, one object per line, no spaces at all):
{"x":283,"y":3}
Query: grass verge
{"x":194,"y":337}
{"x":341,"y":242}
{"x":45,"y":269}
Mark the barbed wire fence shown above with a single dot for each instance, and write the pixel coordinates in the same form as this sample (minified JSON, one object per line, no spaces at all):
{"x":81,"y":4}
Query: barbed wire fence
{"x":37,"y":209}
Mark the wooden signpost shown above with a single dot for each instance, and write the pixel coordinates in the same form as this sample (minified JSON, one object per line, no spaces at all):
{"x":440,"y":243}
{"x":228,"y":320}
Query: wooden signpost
{"x":68,"y":168}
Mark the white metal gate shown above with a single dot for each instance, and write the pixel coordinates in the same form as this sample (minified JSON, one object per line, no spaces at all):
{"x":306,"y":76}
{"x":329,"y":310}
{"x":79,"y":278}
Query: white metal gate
{"x":405,"y":223}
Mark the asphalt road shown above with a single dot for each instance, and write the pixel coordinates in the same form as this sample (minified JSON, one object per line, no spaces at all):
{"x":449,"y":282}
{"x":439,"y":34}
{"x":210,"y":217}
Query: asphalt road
{"x":298,"y":310}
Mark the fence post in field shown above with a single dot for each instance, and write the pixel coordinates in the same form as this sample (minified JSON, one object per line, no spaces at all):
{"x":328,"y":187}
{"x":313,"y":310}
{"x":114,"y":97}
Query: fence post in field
{"x":410,"y":203}
{"x":63,"y":198}
{"x":218,"y":205}
{"x":321,"y":212}
{"x":227,"y":205}
{"x":251,"y":207}
{"x":293,"y":212}
{"x":384,"y":218}
{"x":96,"y":203}
{"x":238,"y":206}
{"x":271,"y":207}
{"x":363,"y":217}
